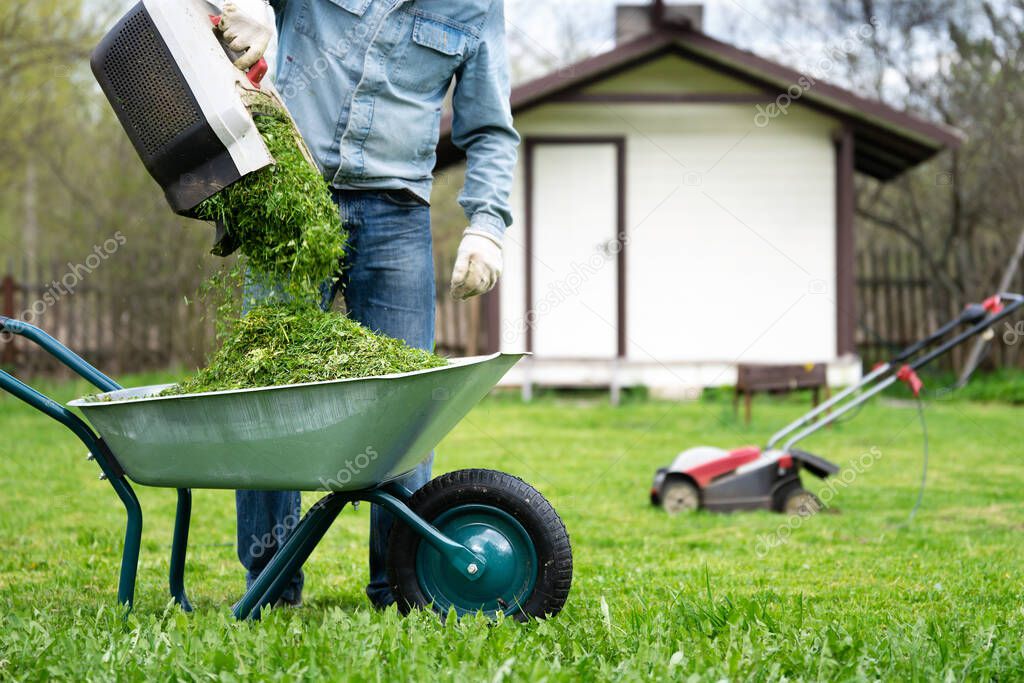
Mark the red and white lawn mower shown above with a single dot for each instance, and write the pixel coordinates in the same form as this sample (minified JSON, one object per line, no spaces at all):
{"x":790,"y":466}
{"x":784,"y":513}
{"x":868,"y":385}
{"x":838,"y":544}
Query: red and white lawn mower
{"x":752,"y":478}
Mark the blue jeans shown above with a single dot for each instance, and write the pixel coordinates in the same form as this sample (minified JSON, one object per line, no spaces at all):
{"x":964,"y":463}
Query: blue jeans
{"x":388,"y":286}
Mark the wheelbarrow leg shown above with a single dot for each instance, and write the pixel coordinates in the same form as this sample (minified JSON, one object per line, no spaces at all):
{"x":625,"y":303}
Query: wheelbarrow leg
{"x":179,"y":548}
{"x":97,"y":447}
{"x":133,"y":528}
{"x":289,"y":558}
{"x":132,"y":543}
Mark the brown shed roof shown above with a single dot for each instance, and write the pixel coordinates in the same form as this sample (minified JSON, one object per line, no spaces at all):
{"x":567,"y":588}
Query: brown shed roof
{"x":887,"y":141}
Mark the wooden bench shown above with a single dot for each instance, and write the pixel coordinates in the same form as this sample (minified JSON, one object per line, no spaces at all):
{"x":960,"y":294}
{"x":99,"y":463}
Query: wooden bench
{"x":777,"y":379}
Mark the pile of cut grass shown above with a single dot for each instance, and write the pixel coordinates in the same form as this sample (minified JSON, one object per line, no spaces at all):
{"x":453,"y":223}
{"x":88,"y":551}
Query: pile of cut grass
{"x":283,"y":343}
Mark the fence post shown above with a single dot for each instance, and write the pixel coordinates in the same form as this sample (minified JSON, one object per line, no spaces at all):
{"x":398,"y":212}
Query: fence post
{"x":7,"y":287}
{"x":472,"y":334}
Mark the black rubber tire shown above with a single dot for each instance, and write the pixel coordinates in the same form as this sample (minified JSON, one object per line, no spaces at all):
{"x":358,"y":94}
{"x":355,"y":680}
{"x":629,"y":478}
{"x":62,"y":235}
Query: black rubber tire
{"x":795,"y":500}
{"x":511,"y":495}
{"x":679,"y":495}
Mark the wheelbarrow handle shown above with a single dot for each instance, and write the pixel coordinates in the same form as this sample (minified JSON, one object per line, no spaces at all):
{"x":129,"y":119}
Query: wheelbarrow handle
{"x":69,"y":358}
{"x":97,"y":448}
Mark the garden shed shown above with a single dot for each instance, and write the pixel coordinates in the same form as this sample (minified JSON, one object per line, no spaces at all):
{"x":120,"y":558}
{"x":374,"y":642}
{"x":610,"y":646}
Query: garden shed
{"x":682,"y":206}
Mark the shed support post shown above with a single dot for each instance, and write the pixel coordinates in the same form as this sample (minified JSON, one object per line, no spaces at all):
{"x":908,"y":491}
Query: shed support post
{"x":846,"y":313}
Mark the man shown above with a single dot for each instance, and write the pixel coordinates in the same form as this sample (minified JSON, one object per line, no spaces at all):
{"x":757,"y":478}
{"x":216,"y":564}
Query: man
{"x":365,"y":81}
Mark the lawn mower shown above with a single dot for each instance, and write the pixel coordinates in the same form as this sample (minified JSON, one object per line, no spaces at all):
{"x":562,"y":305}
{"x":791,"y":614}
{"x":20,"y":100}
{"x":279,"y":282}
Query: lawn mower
{"x":768,"y":478}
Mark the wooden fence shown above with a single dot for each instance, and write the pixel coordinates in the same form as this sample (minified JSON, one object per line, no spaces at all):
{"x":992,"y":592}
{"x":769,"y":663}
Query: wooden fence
{"x":459,"y":325}
{"x":150,"y":325}
{"x":897,"y":305}
{"x":147,"y":325}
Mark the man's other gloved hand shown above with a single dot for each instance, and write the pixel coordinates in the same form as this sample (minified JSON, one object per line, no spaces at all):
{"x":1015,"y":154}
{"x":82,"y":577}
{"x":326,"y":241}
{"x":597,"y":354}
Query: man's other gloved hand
{"x":477,"y":264}
{"x":245,"y":33}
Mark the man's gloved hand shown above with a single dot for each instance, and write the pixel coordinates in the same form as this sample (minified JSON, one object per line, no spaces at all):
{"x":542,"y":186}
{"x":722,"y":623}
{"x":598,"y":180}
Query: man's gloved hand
{"x":244,"y":33}
{"x":477,"y":264}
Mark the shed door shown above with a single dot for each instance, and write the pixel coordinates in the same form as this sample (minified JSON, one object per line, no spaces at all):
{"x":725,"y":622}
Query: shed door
{"x":574,"y":269}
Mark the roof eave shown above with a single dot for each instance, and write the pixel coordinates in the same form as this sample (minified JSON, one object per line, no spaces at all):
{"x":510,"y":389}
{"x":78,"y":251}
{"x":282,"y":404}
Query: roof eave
{"x":838,"y":99}
{"x":917,"y":139}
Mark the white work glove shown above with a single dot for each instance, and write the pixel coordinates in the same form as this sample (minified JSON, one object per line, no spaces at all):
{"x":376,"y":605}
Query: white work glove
{"x":244,"y":33}
{"x":477,"y":264}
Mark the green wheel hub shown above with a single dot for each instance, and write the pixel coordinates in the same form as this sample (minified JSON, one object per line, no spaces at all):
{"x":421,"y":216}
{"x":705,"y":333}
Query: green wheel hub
{"x":510,"y":572}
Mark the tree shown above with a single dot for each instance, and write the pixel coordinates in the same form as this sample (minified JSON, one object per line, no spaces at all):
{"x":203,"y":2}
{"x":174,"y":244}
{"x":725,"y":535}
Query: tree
{"x":958,"y":62}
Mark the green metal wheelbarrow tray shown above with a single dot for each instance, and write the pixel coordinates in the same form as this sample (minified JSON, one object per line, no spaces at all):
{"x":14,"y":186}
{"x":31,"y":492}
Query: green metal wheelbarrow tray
{"x":471,"y":540}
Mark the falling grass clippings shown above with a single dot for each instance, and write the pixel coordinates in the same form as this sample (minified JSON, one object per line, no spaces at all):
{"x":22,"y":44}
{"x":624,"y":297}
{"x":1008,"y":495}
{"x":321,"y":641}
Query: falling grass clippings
{"x":282,"y":216}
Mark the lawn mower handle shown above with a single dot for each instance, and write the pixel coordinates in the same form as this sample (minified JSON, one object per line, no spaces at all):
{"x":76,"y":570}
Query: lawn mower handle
{"x":996,"y":313}
{"x":972,"y":313}
{"x":995,"y":309}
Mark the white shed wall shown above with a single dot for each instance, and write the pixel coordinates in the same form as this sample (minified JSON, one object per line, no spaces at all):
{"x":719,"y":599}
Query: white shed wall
{"x":730,"y":239}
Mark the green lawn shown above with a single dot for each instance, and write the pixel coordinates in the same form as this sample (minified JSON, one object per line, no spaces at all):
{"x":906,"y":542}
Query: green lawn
{"x":854,"y":595}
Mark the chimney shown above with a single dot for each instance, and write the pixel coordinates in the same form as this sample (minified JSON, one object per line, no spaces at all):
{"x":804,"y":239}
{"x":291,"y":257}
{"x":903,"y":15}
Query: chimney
{"x":633,"y":21}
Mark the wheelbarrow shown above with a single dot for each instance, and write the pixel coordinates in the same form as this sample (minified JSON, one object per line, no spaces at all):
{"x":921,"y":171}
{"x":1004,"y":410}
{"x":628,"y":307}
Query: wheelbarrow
{"x":471,"y":540}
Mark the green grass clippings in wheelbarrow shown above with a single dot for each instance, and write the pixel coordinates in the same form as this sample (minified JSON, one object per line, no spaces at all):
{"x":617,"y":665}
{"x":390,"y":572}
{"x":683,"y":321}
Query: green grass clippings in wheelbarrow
{"x":471,"y":540}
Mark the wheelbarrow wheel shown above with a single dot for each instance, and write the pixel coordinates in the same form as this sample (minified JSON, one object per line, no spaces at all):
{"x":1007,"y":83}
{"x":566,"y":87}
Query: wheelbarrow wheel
{"x":527,"y":556}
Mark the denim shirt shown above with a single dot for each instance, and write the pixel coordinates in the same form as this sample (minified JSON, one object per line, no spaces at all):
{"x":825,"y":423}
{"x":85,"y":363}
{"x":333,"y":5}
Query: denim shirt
{"x":366,"y":79}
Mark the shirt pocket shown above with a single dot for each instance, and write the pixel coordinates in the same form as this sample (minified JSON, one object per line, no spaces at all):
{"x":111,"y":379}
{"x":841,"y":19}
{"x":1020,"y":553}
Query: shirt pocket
{"x":333,"y":25}
{"x":430,"y":57}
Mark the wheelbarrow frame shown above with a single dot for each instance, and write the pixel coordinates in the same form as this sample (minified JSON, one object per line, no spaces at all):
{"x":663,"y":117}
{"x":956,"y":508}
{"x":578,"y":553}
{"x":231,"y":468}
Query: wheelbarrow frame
{"x":273,"y":580}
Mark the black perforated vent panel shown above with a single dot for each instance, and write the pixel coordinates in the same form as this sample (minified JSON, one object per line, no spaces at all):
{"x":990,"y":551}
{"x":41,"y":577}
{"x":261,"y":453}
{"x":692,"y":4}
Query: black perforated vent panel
{"x":158,"y":111}
{"x":147,"y":90}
